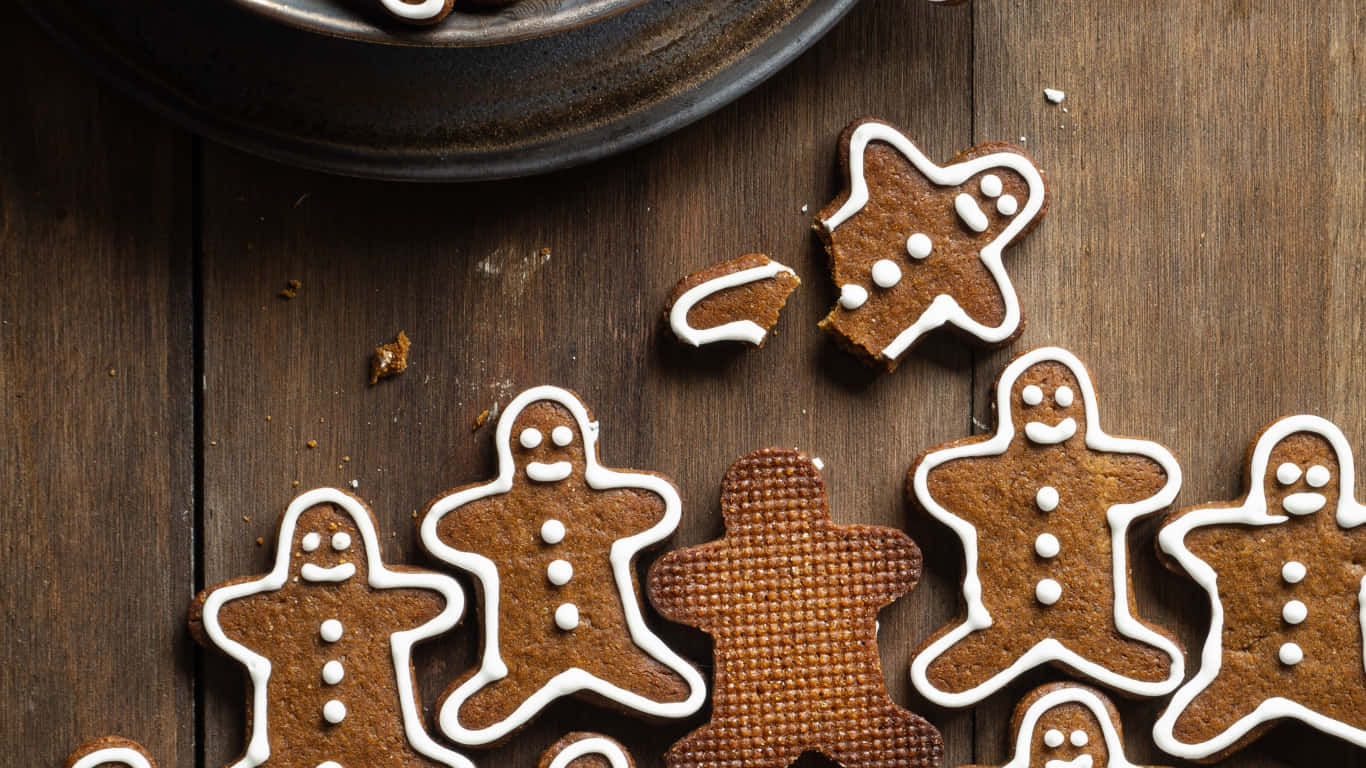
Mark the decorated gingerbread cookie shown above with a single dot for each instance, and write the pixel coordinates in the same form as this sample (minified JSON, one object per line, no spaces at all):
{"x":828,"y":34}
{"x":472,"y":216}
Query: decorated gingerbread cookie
{"x":326,"y":640}
{"x":791,"y":600}
{"x":1043,"y":507}
{"x":1285,"y":569}
{"x":915,"y":246}
{"x":418,"y":11}
{"x":736,"y":300}
{"x":110,"y":752}
{"x":1065,"y":725}
{"x":552,"y":541}
{"x":581,"y":749}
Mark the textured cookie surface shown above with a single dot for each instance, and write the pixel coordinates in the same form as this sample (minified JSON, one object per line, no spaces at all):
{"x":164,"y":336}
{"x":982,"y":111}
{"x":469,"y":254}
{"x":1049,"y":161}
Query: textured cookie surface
{"x":1043,"y":508}
{"x":326,"y":639}
{"x":791,"y":601}
{"x":736,"y":300}
{"x":110,"y":752}
{"x":552,"y":540}
{"x":1065,"y":725}
{"x":1286,"y":565}
{"x":915,"y":246}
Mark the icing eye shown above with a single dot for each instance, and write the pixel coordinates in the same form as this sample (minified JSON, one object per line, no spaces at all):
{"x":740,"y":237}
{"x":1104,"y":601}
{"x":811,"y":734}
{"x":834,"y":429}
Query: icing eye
{"x":562,"y":436}
{"x":530,"y":438}
{"x":1053,"y":738}
{"x":1317,"y":476}
{"x":1287,"y":473}
{"x":1007,"y":205}
{"x":1032,"y":395}
{"x":1080,"y":739}
{"x":919,"y":245}
{"x":1063,"y":397}
{"x":340,"y":541}
{"x":991,"y":185}
{"x":311,"y":542}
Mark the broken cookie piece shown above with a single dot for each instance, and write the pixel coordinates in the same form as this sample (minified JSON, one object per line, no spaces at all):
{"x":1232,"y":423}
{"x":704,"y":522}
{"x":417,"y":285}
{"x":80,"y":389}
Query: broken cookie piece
{"x":736,"y":300}
{"x":390,"y":359}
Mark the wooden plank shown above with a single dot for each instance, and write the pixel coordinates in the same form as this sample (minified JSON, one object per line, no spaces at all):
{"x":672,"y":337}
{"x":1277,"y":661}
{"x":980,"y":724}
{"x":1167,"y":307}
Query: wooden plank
{"x":1199,"y":252}
{"x":95,"y":367}
{"x":461,"y":271}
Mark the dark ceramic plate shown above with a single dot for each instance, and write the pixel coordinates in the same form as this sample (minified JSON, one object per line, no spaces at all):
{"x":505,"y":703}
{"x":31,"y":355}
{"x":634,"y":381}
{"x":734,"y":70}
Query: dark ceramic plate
{"x":438,"y":113}
{"x":363,"y":20}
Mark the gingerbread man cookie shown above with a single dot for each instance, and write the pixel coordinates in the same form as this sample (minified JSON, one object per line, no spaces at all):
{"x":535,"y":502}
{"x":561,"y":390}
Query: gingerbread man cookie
{"x":581,"y":749}
{"x":736,"y":300}
{"x":326,"y":639}
{"x":110,"y":752}
{"x":791,"y":601}
{"x":1043,"y":508}
{"x":915,"y":246}
{"x":552,"y":540}
{"x":1285,"y":569}
{"x":1065,"y":725}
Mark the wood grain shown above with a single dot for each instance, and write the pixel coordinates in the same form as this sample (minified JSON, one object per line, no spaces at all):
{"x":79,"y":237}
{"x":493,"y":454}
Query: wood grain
{"x":1201,"y":253}
{"x":96,"y":434}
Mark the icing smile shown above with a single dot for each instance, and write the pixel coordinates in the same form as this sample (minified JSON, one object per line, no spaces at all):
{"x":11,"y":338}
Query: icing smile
{"x":1043,"y":434}
{"x":1303,"y":503}
{"x":542,"y":472}
{"x":312,"y":572}
{"x":1080,"y":761}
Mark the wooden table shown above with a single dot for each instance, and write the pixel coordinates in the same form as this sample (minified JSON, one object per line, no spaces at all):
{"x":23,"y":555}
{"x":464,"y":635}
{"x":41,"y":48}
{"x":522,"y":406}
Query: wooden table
{"x":1203,"y":253}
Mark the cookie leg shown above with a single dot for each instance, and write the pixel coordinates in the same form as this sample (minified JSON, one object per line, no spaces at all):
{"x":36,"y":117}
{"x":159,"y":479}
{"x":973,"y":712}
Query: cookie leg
{"x":722,"y":744}
{"x":1215,"y":709}
{"x":643,"y":675}
{"x":1136,"y":660}
{"x":496,"y":702}
{"x":978,"y":657}
{"x":892,"y":737}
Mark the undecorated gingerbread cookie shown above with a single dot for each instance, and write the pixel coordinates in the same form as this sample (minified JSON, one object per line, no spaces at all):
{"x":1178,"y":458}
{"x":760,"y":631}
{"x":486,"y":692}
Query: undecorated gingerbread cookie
{"x":326,"y":640}
{"x":1285,"y":570}
{"x":552,"y":541}
{"x":110,"y":752}
{"x":915,"y":246}
{"x":1065,"y":725}
{"x":1043,"y":508}
{"x":791,"y":601}
{"x":736,"y":300}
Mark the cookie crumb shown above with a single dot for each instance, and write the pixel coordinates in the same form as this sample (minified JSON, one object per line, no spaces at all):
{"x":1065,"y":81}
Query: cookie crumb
{"x":346,"y":458}
{"x":246,"y":518}
{"x":1054,"y":95}
{"x":213,"y":442}
{"x":390,"y":359}
{"x":354,"y":483}
{"x":260,"y":541}
{"x":805,"y":208}
{"x":267,"y":418}
{"x":291,"y":290}
{"x":295,"y":484}
{"x":480,"y":420}
{"x":312,"y":443}
{"x":414,"y":514}
{"x":545,"y":252}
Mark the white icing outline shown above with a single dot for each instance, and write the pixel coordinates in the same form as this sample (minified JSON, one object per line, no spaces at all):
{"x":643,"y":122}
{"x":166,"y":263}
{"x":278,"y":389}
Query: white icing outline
{"x":736,"y":330}
{"x":1253,"y":511}
{"x":1069,"y":695}
{"x":423,"y":11}
{"x":125,"y":755}
{"x":945,"y":309}
{"x":492,"y":667}
{"x":1119,"y":517}
{"x":593,"y":745}
{"x":258,"y":667}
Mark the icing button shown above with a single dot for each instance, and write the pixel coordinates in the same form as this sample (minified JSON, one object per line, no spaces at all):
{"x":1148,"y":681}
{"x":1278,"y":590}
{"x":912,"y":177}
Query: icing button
{"x":334,"y":711}
{"x":853,"y":296}
{"x":1007,"y":205}
{"x":552,"y":532}
{"x":1048,"y":591}
{"x":886,"y":273}
{"x":1293,"y":572}
{"x":919,"y":245}
{"x":567,"y":616}
{"x":1290,"y":654}
{"x":1047,"y":545}
{"x":333,"y":672}
{"x":1294,"y":612}
{"x":331,"y":630}
{"x":559,"y":572}
{"x":1047,"y":498}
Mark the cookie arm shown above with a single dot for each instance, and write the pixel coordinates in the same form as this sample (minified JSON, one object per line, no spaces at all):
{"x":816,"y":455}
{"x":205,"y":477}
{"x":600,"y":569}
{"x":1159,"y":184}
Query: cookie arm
{"x":1143,"y":478}
{"x":895,"y":561}
{"x":679,"y":585}
{"x":471,"y":526}
{"x":233,"y":614}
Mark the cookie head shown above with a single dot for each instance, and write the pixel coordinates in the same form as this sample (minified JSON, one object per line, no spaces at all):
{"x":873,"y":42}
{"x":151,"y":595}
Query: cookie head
{"x":772,"y":490}
{"x":1302,"y":475}
{"x":1065,"y":725}
{"x":327,"y":547}
{"x":547,"y":443}
{"x":1047,"y":405}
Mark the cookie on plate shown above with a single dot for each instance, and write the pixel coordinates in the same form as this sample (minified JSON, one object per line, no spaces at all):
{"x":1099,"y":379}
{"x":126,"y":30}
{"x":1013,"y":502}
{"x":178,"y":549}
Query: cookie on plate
{"x":1285,"y":570}
{"x":915,"y":246}
{"x":1043,"y":507}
